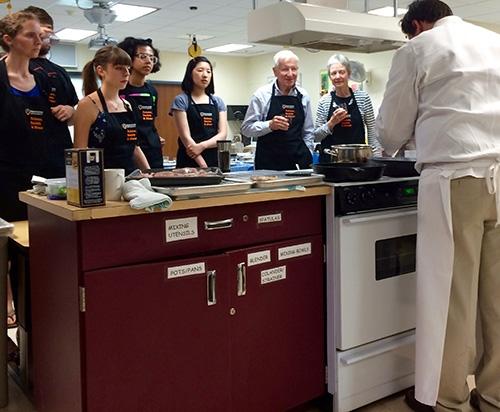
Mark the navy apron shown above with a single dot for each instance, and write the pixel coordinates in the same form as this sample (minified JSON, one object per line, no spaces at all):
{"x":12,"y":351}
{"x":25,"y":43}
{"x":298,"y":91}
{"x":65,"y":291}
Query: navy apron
{"x":26,"y":145}
{"x":280,"y":149}
{"x":144,"y":104}
{"x":116,"y":133}
{"x":203,"y":121}
{"x":351,"y":130}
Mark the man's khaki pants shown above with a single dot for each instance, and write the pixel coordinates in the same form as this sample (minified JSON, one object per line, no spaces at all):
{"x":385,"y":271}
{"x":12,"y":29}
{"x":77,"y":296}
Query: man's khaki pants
{"x":475,"y":287}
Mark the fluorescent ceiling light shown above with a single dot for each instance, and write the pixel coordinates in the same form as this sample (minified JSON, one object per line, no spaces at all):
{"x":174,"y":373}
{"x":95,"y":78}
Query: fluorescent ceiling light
{"x":387,"y":11}
{"x":74,"y":34}
{"x":228,"y":48}
{"x":126,"y":12}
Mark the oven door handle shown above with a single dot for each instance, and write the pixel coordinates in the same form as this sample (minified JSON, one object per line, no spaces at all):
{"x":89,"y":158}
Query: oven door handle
{"x":405,"y":341}
{"x":354,"y":220}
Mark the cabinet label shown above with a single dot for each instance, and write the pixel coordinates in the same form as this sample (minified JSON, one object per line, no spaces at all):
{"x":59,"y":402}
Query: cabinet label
{"x":294,"y":251}
{"x":181,"y":229}
{"x":273,"y":275}
{"x":259,"y":257}
{"x":185,"y":270}
{"x":269,"y":218}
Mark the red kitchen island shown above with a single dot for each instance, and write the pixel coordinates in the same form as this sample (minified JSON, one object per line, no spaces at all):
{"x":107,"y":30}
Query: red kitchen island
{"x":214,"y":305}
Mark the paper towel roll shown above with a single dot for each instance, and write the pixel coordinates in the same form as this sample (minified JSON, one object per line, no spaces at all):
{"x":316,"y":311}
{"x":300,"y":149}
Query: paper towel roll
{"x":113,"y":183}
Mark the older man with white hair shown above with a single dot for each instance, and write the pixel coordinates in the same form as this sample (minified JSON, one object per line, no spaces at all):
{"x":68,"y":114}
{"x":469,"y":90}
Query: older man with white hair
{"x":280,"y":116}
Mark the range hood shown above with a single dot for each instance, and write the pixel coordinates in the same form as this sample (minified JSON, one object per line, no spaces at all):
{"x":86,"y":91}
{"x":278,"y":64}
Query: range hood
{"x":323,"y":28}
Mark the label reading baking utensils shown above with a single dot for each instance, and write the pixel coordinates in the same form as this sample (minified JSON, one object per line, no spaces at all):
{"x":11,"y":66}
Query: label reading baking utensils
{"x":186,"y":270}
{"x":269,"y":218}
{"x":258,"y":258}
{"x":273,"y":275}
{"x":294,"y":251}
{"x":181,"y":229}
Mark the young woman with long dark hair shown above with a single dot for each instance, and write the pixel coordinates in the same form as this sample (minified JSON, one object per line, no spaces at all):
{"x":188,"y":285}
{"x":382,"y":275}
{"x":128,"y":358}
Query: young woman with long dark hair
{"x":200,"y":116}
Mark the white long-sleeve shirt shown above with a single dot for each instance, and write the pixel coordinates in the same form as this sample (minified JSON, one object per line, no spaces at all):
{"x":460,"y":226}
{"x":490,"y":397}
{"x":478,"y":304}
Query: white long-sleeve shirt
{"x":255,"y":123}
{"x":444,"y":89}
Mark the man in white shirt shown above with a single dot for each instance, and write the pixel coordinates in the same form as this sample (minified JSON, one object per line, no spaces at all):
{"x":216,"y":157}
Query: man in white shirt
{"x":444,"y":90}
{"x":280,"y":116}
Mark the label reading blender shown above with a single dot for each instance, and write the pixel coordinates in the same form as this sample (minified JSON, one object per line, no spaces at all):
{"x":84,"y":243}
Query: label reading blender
{"x":258,"y":258}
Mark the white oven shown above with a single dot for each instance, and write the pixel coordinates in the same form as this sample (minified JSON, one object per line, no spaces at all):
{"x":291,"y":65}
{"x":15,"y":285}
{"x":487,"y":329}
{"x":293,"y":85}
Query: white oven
{"x":371,"y":290}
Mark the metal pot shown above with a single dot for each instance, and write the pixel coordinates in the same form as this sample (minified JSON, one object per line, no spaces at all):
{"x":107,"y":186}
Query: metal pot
{"x":349,"y":153}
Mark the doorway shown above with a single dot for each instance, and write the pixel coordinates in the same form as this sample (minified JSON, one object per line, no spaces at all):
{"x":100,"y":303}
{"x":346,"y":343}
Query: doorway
{"x":164,"y":122}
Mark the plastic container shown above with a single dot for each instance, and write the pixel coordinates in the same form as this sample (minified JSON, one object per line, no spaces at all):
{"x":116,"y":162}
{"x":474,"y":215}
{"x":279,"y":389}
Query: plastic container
{"x":56,"y":188}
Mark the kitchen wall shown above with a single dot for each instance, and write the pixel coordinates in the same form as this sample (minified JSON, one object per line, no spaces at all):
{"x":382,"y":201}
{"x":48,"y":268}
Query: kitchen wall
{"x":236,"y":78}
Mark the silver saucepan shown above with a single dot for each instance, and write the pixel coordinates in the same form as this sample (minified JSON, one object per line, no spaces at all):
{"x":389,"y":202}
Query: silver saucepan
{"x":349,"y":153}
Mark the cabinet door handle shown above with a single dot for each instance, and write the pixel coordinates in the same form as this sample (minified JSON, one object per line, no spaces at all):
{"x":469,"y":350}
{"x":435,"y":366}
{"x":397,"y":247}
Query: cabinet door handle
{"x":211,"y":298}
{"x":241,"y":279}
{"x":219,"y":224}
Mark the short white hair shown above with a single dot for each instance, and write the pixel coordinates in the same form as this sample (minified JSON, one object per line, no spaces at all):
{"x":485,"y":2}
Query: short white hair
{"x":339,"y":59}
{"x":284,"y":55}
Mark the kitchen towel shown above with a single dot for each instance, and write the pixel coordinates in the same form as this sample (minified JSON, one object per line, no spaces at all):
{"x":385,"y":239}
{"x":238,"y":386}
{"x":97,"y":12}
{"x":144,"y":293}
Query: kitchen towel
{"x":140,"y":195}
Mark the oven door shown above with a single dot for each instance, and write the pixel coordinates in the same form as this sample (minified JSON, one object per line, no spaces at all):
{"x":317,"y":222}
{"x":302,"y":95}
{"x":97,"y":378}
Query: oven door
{"x":374,"y":275}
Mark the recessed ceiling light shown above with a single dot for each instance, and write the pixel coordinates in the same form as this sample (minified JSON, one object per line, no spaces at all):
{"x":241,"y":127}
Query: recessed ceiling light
{"x":387,"y":11}
{"x":228,"y":48}
{"x":127,"y":12}
{"x":74,"y":34}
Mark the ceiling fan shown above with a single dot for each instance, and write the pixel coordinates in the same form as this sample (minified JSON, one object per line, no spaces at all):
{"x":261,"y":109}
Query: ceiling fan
{"x":99,"y":12}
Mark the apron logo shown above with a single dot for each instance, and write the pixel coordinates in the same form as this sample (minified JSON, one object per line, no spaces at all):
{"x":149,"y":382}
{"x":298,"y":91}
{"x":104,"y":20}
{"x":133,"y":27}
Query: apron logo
{"x":35,"y":119}
{"x":207,"y":119}
{"x":289,"y":112}
{"x":130,"y":128}
{"x":146,"y":113}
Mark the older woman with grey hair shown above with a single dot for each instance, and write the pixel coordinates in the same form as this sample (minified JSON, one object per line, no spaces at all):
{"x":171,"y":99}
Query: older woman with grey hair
{"x":344,"y":116}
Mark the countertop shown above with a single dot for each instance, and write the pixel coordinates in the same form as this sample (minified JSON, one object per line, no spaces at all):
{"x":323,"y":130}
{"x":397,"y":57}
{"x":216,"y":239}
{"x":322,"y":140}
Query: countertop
{"x":120,"y":208}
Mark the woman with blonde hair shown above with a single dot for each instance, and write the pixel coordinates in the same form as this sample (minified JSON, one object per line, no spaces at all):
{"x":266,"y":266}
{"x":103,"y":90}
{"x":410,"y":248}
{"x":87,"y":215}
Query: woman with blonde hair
{"x":103,"y":119}
{"x":27,"y":146}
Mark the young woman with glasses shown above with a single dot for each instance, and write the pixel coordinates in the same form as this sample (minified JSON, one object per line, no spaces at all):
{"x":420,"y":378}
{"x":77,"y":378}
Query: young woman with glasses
{"x":143,"y":96}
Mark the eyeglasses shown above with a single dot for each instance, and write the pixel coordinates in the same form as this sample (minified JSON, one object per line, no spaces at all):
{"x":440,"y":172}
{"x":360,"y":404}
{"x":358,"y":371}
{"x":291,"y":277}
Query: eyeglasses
{"x":144,"y":56}
{"x":50,"y":38}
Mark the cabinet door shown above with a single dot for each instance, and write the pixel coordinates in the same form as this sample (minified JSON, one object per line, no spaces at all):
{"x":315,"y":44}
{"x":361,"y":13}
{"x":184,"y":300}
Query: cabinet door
{"x":277,"y":330}
{"x":156,"y":337}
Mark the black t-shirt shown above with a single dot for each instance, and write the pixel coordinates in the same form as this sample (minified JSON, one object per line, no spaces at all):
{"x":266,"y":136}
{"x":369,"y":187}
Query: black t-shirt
{"x":61,"y":90}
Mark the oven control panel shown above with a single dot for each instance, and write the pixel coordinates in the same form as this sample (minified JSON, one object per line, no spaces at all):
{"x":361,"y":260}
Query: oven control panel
{"x":375,"y":196}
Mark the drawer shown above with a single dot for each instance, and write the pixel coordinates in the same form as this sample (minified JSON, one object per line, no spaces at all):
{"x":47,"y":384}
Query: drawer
{"x":373,"y":371}
{"x":150,"y":237}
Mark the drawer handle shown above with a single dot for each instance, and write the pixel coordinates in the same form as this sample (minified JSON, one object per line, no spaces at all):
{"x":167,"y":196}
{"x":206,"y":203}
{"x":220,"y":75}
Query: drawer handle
{"x":211,"y":299}
{"x":219,"y":224}
{"x":241,"y":279}
{"x":407,"y":340}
